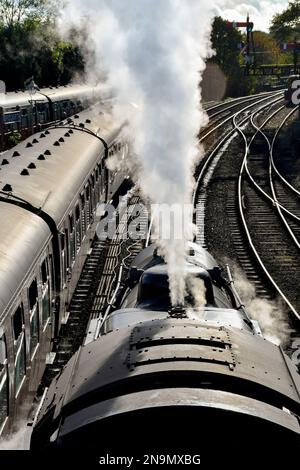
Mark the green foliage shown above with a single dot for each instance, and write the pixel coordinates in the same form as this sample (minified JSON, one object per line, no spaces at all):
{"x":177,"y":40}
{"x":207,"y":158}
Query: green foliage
{"x":225,"y":42}
{"x":31,"y":46}
{"x":286,"y":25}
{"x":14,"y":139}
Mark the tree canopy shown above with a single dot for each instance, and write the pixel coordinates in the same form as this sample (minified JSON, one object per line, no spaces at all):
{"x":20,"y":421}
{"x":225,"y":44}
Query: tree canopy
{"x":225,"y":42}
{"x":16,"y":12}
{"x":31,"y":46}
{"x":285,"y":26}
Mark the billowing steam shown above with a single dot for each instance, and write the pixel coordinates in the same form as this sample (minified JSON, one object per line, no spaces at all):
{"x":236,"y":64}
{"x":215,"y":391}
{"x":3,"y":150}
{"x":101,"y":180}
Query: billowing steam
{"x":197,"y":292}
{"x":270,"y":316}
{"x":152,"y":54}
{"x":19,"y":440}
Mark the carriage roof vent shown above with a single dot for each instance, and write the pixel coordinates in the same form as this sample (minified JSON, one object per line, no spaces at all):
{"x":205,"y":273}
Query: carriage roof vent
{"x":29,"y":144}
{"x":32,"y":166}
{"x":24,"y":172}
{"x":56,"y":143}
{"x":47,"y":152}
{"x":69,"y":121}
{"x":41,"y":157}
{"x":5,"y":162}
{"x":67,"y":134}
{"x":47,"y":132}
{"x":88,"y":121}
{"x":71,"y":131}
{"x":76,"y":116}
{"x":7,"y":188}
{"x":42,"y":136}
{"x":16,"y":154}
{"x":61,"y":139}
{"x":35,"y":141}
{"x":81,"y":125}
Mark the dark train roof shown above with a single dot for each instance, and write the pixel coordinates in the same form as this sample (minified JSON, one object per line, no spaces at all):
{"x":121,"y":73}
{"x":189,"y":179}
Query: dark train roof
{"x":130,"y":368}
{"x":197,"y":255}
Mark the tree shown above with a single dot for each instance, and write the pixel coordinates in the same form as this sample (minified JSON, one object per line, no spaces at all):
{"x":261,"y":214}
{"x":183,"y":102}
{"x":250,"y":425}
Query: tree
{"x":15,"y":12}
{"x":30,"y":45}
{"x":285,"y":26}
{"x":226,"y":42}
{"x":267,"y":50}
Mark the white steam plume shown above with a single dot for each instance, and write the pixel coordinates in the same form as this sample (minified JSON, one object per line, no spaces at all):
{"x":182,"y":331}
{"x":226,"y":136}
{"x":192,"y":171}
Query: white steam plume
{"x":18,"y":440}
{"x":153,"y":54}
{"x":270,"y":315}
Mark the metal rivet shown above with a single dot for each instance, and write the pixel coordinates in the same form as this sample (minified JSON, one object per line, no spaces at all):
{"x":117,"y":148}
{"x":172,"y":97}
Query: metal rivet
{"x":7,"y":188}
{"x":32,"y":166}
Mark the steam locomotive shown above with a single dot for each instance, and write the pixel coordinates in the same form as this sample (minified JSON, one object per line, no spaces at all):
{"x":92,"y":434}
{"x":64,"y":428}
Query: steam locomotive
{"x":50,"y":187}
{"x":159,"y":377}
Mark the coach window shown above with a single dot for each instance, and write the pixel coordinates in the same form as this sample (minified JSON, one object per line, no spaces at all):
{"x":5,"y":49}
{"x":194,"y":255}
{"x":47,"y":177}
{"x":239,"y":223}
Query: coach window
{"x":84,"y":215}
{"x":63,"y":257}
{"x":34,"y":316}
{"x":3,"y":382}
{"x":88,"y":204}
{"x":93,"y":192}
{"x":19,"y":347}
{"x":45,"y":292}
{"x":97,"y":192}
{"x":78,"y":227}
{"x":98,"y":177}
{"x":67,"y":250}
{"x":72,"y":238}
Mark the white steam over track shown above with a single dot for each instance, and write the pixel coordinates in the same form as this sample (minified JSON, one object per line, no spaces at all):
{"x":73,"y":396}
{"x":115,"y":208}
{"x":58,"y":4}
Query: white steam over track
{"x":153,"y":55}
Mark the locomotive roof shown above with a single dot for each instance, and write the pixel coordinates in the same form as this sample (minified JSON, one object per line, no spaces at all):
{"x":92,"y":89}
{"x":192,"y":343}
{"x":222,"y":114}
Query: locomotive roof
{"x":112,"y":360}
{"x":197,"y":256}
{"x":52,"y":184}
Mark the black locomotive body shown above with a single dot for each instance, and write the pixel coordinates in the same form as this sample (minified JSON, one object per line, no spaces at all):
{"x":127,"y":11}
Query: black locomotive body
{"x":159,"y":378}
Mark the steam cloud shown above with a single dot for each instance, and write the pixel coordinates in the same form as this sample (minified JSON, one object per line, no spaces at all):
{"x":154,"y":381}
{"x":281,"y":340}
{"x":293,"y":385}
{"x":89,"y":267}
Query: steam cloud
{"x":271,"y":318}
{"x":19,"y":440}
{"x":153,"y":55}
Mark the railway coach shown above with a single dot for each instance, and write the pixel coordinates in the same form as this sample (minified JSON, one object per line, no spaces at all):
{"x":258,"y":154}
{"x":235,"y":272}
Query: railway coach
{"x":22,"y":111}
{"x":50,"y":187}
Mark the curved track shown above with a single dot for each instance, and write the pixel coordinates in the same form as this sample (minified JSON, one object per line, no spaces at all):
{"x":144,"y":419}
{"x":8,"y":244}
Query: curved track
{"x":266,"y":212}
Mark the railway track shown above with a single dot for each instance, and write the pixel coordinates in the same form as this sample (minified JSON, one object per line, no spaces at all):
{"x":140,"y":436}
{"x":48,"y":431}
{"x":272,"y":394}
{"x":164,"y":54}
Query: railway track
{"x":271,"y":224}
{"x":261,"y":206}
{"x":105,"y":267}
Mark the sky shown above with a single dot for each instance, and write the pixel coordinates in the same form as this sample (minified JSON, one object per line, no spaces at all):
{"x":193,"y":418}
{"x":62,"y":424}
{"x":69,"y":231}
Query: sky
{"x":261,"y":11}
